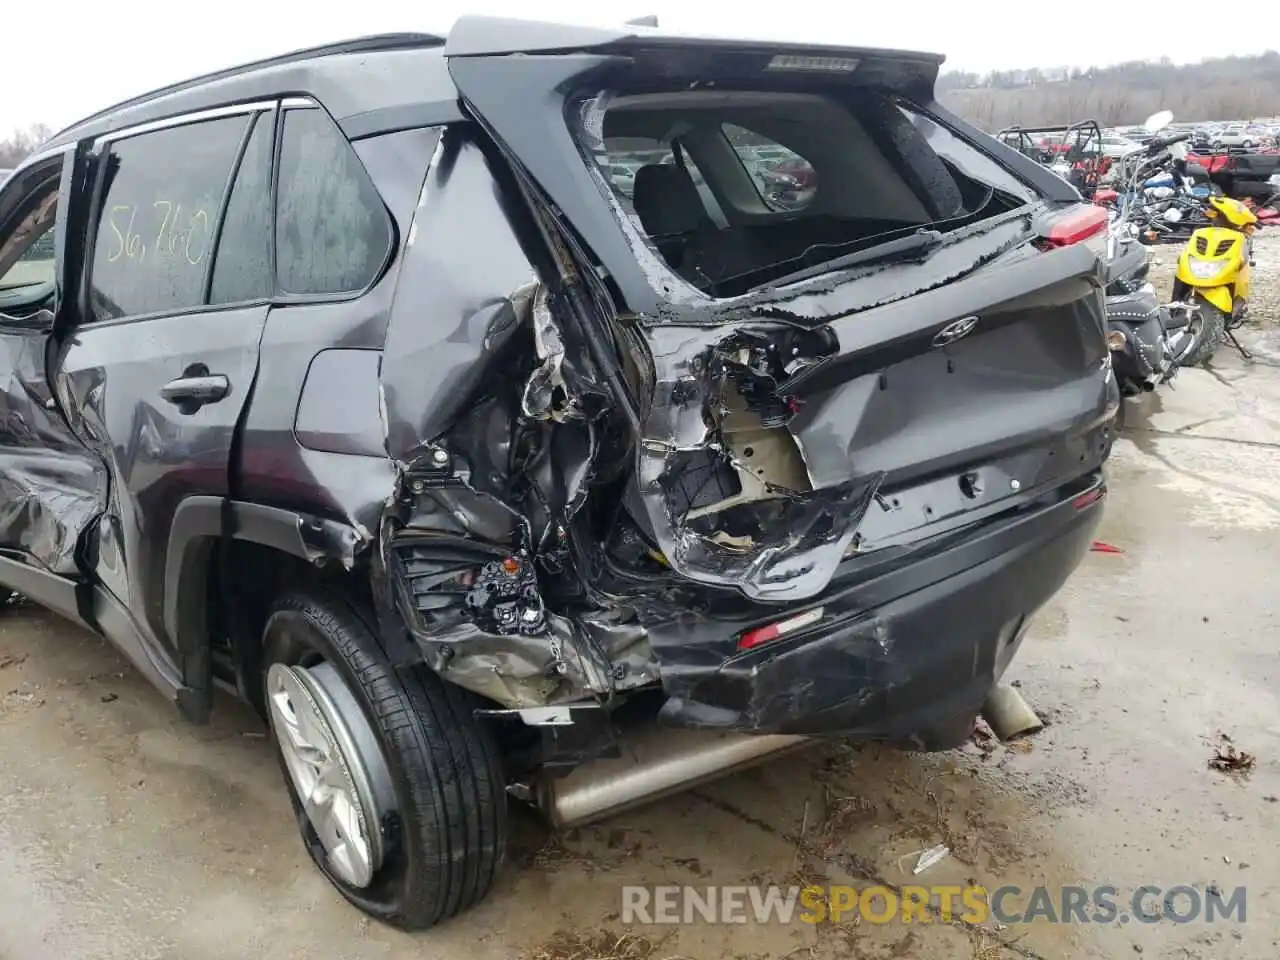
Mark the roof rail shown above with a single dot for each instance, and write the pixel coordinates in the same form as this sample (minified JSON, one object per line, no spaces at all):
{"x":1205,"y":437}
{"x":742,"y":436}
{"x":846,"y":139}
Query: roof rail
{"x":370,"y":44}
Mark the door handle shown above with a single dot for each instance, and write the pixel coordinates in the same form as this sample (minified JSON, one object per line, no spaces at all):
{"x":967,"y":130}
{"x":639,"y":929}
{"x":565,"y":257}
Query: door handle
{"x":195,"y":392}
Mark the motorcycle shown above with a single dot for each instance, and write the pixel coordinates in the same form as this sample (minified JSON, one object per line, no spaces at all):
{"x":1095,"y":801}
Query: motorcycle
{"x":1148,"y":340}
{"x":1214,"y":273}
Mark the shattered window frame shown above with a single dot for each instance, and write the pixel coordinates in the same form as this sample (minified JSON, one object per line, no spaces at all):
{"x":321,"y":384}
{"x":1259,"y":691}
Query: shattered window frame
{"x":586,"y":111}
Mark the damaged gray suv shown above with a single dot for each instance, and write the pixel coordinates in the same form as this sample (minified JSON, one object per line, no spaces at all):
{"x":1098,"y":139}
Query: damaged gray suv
{"x":362,"y":383}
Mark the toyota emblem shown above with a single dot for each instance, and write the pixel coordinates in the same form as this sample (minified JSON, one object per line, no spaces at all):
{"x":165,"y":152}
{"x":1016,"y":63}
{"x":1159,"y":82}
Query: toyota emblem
{"x":954,"y":330}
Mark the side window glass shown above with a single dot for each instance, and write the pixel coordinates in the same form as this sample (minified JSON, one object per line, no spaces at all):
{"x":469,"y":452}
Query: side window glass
{"x":242,"y":264}
{"x":27,"y":252}
{"x":332,"y":230}
{"x":163,"y":193}
{"x":35,"y":265}
{"x":786,"y":180}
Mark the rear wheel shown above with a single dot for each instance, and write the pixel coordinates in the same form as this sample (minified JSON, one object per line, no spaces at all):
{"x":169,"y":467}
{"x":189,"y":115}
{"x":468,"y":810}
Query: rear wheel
{"x":1213,"y":325}
{"x":397,"y":788}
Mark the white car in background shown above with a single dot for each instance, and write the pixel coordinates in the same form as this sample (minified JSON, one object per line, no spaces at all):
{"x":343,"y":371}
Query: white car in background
{"x":623,"y":177}
{"x":1116,"y":146}
{"x":1237,"y":135}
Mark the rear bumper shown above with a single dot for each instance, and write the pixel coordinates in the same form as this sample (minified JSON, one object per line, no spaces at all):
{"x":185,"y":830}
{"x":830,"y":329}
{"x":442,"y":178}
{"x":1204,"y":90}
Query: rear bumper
{"x":905,"y":653}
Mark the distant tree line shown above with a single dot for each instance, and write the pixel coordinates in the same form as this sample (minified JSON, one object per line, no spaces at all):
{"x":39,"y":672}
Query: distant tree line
{"x":1230,"y":88}
{"x":20,"y":143}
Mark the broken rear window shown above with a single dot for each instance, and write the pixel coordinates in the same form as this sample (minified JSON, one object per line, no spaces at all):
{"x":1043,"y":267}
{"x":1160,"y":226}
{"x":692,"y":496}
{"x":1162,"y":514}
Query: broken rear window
{"x":739,"y":189}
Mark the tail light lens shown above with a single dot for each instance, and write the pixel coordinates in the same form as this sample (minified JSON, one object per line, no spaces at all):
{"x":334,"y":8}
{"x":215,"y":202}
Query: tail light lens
{"x":1085,"y":224}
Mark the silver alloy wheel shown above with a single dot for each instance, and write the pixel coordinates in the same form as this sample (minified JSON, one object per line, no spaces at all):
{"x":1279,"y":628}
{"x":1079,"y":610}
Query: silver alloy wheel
{"x":337,"y":768}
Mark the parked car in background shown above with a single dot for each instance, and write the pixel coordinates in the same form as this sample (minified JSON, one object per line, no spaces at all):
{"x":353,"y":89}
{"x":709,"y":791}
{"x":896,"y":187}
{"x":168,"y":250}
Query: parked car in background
{"x":622,"y":176}
{"x":1237,"y":135}
{"x":1116,"y":146}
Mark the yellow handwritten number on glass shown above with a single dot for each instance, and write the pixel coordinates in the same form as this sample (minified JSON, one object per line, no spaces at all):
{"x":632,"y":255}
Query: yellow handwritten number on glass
{"x":168,"y":237}
{"x":201,"y":218}
{"x":164,"y":221}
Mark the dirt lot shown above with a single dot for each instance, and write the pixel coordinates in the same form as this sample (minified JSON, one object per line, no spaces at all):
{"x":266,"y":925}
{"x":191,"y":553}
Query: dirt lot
{"x":124,"y":833}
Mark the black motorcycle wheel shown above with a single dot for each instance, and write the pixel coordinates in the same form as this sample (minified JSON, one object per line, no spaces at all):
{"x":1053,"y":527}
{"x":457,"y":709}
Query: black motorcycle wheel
{"x":1213,"y":326}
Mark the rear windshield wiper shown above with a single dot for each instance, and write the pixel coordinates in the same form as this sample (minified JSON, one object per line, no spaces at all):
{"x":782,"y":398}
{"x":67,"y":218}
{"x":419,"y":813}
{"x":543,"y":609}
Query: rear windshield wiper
{"x":913,"y":246}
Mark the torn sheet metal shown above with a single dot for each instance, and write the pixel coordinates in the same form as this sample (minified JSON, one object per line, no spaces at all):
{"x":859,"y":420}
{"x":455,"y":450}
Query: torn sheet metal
{"x":51,"y":487}
{"x":493,"y":425}
{"x":459,"y":300}
{"x":774,"y":534}
{"x":481,"y":623}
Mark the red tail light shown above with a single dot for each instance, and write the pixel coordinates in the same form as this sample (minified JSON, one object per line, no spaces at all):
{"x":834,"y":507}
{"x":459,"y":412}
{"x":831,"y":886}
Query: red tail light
{"x":1076,"y":226}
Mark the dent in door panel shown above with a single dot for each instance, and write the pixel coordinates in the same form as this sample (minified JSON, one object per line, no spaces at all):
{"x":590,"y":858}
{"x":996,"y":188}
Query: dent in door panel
{"x":50,"y":485}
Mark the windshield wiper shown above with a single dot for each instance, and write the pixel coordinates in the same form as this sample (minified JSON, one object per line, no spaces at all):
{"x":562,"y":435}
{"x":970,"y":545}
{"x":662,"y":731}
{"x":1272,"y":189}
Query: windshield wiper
{"x":914,"y":246}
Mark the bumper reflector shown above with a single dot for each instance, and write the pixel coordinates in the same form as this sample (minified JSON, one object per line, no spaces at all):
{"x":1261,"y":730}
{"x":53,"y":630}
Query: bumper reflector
{"x":773,"y":631}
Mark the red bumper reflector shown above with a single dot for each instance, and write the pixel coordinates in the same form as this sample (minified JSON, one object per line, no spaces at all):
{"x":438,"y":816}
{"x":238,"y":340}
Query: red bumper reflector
{"x":753,"y":638}
{"x":1090,"y":498}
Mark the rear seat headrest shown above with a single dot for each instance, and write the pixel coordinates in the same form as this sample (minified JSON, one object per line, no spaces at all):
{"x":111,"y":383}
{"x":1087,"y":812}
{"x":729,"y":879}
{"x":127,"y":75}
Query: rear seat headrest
{"x":667,"y":201}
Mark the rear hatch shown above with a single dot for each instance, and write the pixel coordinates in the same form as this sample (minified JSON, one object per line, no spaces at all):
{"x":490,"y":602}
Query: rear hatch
{"x":863,"y":322}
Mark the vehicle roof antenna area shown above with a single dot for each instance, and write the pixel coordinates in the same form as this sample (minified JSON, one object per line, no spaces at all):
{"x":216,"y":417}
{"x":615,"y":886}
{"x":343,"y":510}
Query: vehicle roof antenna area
{"x":648,"y":20}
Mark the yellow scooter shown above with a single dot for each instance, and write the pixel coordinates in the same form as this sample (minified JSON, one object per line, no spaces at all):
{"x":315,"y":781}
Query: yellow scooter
{"x":1213,"y":272}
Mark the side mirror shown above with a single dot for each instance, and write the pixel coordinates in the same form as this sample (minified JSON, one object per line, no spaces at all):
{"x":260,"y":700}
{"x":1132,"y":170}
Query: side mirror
{"x":1158,"y":121}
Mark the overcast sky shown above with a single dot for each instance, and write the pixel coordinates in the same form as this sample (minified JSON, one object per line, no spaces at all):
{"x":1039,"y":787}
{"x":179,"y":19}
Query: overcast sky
{"x":101,"y":53}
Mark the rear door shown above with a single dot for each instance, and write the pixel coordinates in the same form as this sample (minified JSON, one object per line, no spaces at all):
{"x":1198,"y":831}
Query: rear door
{"x":157,"y":374}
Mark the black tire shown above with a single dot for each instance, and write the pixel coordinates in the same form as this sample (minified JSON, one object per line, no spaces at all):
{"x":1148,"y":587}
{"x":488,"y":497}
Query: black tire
{"x":446,"y":844}
{"x":1211,"y":334}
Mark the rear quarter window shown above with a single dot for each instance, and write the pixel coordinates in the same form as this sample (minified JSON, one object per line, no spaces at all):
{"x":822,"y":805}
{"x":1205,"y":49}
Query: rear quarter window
{"x":333,"y":234}
{"x":785,"y":180}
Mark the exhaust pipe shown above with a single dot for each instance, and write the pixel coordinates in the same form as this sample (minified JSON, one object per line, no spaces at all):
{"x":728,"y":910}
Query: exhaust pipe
{"x":655,"y":763}
{"x":1008,"y":715}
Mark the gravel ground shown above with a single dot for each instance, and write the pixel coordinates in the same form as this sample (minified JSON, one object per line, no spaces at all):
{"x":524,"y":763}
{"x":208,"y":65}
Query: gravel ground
{"x":1264,"y":299}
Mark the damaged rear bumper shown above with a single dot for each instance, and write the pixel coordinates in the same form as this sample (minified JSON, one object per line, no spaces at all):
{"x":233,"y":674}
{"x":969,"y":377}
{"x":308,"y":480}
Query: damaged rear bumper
{"x":907,"y":651}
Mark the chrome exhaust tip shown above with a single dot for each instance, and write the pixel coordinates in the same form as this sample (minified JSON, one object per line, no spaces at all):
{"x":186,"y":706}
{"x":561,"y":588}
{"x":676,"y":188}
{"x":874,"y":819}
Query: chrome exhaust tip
{"x":1008,"y":715}
{"x":656,"y":762}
